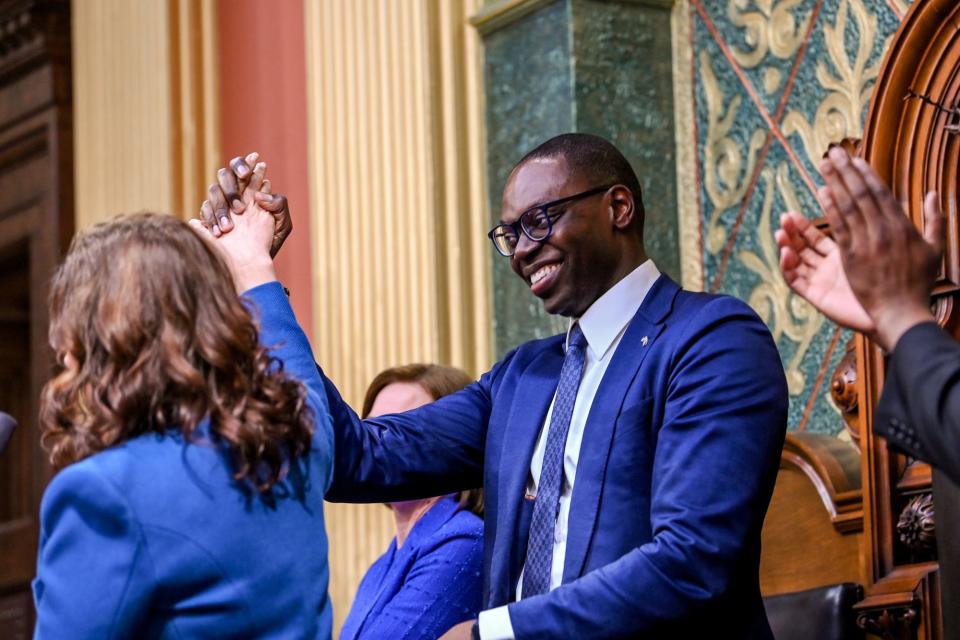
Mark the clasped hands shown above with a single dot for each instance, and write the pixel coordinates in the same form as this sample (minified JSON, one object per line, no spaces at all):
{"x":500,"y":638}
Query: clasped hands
{"x":244,"y":221}
{"x":877,"y":272}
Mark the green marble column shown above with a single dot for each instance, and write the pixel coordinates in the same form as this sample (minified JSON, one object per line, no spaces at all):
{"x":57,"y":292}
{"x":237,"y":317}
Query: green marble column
{"x":591,"y":66}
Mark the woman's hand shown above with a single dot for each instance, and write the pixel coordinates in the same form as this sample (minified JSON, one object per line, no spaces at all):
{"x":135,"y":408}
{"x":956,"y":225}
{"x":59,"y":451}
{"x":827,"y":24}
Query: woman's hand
{"x":811,"y":265}
{"x":225,"y":199}
{"x":247,"y":248}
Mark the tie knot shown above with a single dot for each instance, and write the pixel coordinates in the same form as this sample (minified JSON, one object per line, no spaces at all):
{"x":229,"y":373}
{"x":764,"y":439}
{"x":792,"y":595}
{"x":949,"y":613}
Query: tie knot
{"x":576,"y":339}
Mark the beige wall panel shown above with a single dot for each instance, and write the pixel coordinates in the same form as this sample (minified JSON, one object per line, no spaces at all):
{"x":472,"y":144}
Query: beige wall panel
{"x":194,"y":103}
{"x":122,"y":105}
{"x":400,"y":261}
{"x":145,"y":121}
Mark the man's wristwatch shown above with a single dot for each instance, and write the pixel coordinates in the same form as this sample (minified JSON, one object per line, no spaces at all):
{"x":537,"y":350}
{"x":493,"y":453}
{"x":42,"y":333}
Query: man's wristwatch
{"x":475,"y":630}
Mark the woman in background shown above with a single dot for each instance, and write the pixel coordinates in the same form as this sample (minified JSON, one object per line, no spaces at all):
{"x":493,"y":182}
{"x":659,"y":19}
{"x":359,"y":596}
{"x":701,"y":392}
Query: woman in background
{"x":193,"y":462}
{"x":430,"y":578}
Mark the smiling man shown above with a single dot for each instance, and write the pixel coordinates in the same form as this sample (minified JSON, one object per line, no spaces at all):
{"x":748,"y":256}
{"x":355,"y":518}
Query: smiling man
{"x":628,"y":463}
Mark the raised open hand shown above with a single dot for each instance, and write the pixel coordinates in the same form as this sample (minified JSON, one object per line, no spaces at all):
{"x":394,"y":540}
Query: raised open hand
{"x":876,"y":275}
{"x":890,"y":266}
{"x":811,"y":265}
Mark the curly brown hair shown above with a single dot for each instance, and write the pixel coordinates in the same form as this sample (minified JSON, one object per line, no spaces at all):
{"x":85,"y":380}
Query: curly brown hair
{"x":437,"y":380}
{"x":150,"y":336}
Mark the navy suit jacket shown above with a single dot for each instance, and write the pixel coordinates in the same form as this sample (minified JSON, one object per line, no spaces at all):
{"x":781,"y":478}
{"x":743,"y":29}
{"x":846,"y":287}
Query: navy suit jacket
{"x":426,"y":586}
{"x":154,"y":539}
{"x":678,"y":461}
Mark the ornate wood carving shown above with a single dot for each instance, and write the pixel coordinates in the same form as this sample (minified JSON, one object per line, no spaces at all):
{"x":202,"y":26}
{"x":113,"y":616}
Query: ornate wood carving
{"x":916,"y":525}
{"x":843,"y":391}
{"x":910,"y":139}
{"x":31,"y":32}
{"x":894,"y":623}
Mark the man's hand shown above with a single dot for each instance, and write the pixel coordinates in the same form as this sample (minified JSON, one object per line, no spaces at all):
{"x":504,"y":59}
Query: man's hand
{"x":811,"y":265}
{"x":890,"y":266}
{"x":884,"y":262}
{"x":247,"y":249}
{"x":225,"y":198}
{"x":462,"y":631}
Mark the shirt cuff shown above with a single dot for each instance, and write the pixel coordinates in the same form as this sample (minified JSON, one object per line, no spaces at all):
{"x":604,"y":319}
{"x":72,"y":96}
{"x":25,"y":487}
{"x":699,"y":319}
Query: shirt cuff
{"x":495,"y":624}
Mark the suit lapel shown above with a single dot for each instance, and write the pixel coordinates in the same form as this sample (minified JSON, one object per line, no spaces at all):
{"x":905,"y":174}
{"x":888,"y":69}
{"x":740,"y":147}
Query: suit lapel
{"x":638,"y":340}
{"x":531,"y":399}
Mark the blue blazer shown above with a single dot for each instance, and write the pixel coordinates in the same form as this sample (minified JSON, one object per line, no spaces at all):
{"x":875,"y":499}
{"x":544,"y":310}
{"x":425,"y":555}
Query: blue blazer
{"x":154,"y":539}
{"x":679,"y":457}
{"x":428,"y":585}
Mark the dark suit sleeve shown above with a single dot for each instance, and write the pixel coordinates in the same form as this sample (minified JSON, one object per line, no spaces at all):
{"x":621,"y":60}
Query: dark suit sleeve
{"x":434,"y":450}
{"x":717,"y":454}
{"x":919,"y":410}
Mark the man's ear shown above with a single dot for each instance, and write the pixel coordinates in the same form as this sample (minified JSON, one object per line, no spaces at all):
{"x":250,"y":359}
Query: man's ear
{"x":622,"y":208}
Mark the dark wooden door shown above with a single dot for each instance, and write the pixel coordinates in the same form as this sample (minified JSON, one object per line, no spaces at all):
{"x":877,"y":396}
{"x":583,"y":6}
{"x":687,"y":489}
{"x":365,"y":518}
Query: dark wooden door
{"x":36,"y":222}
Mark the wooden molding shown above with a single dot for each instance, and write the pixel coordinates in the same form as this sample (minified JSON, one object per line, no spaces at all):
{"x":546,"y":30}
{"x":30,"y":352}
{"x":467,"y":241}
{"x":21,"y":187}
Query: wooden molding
{"x":911,"y":137}
{"x":505,"y":12}
{"x":903,"y":605}
{"x":832,"y":466}
{"x":812,"y":533}
{"x":500,"y":14}
{"x":32,"y":31}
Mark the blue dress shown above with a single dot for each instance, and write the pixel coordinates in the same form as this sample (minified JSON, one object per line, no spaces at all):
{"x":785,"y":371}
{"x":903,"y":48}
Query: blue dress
{"x":431,"y":583}
{"x":154,"y":539}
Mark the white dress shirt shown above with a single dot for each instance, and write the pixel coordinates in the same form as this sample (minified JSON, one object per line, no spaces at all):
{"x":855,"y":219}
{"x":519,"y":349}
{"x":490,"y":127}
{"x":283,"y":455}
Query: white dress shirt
{"x":603,"y":325}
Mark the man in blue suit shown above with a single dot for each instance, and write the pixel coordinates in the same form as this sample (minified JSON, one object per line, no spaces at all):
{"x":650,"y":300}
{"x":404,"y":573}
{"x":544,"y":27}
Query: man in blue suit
{"x":628,"y":464}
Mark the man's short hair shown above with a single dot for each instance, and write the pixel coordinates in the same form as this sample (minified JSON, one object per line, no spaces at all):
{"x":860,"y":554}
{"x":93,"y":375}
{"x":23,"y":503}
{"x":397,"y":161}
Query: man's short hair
{"x":594,"y":158}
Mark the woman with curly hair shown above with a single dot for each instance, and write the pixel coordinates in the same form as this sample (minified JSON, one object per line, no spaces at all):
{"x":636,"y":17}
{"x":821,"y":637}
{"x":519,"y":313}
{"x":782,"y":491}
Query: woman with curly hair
{"x":192,"y":458}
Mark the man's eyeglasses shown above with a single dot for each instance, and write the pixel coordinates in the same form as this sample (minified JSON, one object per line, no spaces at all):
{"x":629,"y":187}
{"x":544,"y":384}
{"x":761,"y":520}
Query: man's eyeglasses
{"x":536,"y":223}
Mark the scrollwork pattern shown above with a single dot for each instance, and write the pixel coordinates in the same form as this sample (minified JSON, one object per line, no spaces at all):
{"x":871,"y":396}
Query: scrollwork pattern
{"x":839,"y":115}
{"x":771,"y":28}
{"x":786,"y":313}
{"x":834,"y":50}
{"x":727,"y":169}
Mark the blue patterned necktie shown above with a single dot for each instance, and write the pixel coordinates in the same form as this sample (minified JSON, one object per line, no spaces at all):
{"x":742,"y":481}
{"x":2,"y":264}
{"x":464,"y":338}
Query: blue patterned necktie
{"x":536,"y":570}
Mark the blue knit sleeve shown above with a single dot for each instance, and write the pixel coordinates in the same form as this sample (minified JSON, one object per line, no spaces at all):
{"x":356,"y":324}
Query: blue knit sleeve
{"x":443,"y":588}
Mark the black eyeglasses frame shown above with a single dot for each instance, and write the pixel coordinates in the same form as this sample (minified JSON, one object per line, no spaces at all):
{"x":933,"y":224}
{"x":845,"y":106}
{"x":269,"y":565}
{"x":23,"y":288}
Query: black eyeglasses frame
{"x":517,"y":227}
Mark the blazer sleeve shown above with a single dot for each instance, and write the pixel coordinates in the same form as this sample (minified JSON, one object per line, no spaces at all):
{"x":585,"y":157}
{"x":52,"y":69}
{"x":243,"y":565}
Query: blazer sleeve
{"x":280,"y":332}
{"x":716,"y":459}
{"x":434,"y":450}
{"x":89,"y":538}
{"x":442,"y":589}
{"x":919,"y":409}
